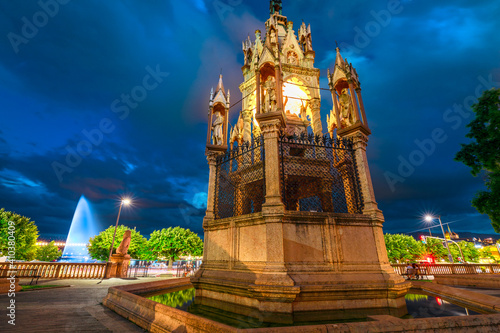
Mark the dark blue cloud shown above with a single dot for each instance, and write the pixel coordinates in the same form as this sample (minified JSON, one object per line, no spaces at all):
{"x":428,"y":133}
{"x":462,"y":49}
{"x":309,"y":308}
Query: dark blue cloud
{"x":421,"y":62}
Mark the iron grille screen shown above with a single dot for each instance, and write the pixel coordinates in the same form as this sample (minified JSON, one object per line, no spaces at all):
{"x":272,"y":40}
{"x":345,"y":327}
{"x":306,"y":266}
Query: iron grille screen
{"x":319,"y":174}
{"x":240,"y":180}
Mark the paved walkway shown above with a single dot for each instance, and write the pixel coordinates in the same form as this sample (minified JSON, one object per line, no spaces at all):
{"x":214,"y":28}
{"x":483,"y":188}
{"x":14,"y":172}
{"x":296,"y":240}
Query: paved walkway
{"x":491,"y":292}
{"x":73,"y":309}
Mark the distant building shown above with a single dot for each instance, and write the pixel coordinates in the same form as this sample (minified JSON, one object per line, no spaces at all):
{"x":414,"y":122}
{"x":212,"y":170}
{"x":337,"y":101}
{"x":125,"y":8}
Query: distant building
{"x":489,"y":240}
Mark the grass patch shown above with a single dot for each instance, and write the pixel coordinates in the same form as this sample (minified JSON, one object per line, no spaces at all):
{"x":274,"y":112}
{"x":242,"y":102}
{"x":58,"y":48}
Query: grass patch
{"x":38,"y":286}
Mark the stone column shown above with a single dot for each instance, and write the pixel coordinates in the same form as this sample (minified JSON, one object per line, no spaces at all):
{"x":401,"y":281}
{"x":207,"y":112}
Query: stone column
{"x":279,"y":86}
{"x":211,"y":159}
{"x":257,"y":91}
{"x":270,"y":130}
{"x":354,"y":101}
{"x":316,"y":116}
{"x":362,"y":107}
{"x":336,"y":107}
{"x":247,"y":125}
{"x":360,"y":141}
{"x":209,"y":129}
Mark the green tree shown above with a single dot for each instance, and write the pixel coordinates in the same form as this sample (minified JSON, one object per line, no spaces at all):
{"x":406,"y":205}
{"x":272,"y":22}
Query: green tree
{"x":435,"y":248}
{"x":485,"y":253}
{"x":402,"y":248}
{"x":482,"y":154}
{"x":469,"y":250}
{"x":99,"y":245}
{"x":17,"y":233}
{"x":48,"y":252}
{"x":172,"y":243}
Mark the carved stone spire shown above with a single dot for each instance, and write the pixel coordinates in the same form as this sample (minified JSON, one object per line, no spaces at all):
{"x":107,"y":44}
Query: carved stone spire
{"x":220,"y":86}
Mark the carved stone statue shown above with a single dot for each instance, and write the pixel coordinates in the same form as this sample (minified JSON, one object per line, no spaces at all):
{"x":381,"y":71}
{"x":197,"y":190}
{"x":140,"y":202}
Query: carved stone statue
{"x":346,"y":108}
{"x":124,"y":245}
{"x":272,"y":35}
{"x":217,"y":125}
{"x":292,"y":58}
{"x":237,"y":131}
{"x":303,"y":111}
{"x":308,"y":45}
{"x":270,"y":104}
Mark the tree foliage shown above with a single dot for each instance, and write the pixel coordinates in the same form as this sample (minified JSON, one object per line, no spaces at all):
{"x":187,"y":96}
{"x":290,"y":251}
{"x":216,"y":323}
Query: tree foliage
{"x":435,"y":248}
{"x":469,"y":250}
{"x":402,"y":248}
{"x":482,"y":154}
{"x":25,"y":234}
{"x":48,"y":252}
{"x":99,"y":245}
{"x":171,"y":243}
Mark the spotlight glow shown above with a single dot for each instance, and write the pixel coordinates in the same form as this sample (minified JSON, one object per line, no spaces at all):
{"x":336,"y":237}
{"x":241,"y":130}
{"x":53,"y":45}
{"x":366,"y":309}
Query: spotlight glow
{"x":296,"y":96}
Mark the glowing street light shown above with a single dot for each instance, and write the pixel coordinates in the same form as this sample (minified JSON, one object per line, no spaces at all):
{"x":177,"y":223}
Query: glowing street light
{"x":125,"y":202}
{"x":430,"y":218}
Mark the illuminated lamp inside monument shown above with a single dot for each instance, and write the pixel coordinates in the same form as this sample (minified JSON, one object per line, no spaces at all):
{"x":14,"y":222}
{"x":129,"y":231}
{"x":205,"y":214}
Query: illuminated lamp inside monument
{"x":295,"y":95}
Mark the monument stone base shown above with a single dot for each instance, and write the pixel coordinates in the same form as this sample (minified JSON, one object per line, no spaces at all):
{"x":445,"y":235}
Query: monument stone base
{"x":297,"y":263}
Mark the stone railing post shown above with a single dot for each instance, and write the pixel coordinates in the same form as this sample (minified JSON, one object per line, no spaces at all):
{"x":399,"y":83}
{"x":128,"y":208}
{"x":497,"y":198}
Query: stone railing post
{"x":58,"y":271}
{"x":270,"y":130}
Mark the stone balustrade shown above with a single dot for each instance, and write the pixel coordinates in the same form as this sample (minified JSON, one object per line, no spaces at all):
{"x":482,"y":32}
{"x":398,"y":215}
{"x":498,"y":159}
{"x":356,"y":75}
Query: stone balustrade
{"x":57,"y":270}
{"x":447,"y":269}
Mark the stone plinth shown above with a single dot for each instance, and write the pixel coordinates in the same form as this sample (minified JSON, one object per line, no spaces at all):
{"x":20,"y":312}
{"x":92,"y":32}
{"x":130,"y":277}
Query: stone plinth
{"x":118,"y":266}
{"x":9,"y":285}
{"x":321,"y":262}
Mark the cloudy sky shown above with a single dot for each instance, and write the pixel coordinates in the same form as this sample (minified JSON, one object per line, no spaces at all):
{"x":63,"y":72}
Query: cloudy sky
{"x":68,"y":126}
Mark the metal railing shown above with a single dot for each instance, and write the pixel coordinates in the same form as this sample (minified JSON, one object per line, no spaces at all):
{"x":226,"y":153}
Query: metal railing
{"x":448,"y":269}
{"x":240,"y":181}
{"x":57,"y":270}
{"x":319,"y":174}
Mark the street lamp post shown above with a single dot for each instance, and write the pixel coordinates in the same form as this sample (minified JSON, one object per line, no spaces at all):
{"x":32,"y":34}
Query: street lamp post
{"x":123,"y":202}
{"x":430,"y":218}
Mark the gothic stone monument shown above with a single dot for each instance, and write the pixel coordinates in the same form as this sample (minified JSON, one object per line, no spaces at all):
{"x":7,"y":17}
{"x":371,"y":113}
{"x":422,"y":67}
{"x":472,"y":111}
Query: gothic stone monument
{"x":292,"y":228}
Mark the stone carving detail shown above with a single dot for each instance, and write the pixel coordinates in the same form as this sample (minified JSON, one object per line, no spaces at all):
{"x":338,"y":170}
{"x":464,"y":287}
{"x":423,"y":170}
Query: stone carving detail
{"x":270,"y":104}
{"x":237,"y":131}
{"x":331,"y":121}
{"x":217,"y":127}
{"x":303,"y":111}
{"x":292,"y":58}
{"x":124,"y":245}
{"x":294,"y":130}
{"x":346,"y":108}
{"x":272,"y":35}
{"x":315,"y":104}
{"x":271,"y":127}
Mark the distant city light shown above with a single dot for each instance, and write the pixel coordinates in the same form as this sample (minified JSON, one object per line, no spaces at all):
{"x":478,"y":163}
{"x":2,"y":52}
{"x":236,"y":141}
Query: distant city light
{"x":61,"y":244}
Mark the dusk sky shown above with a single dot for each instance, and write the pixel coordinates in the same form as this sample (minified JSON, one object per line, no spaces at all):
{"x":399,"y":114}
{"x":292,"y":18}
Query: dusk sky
{"x":66,"y":72}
